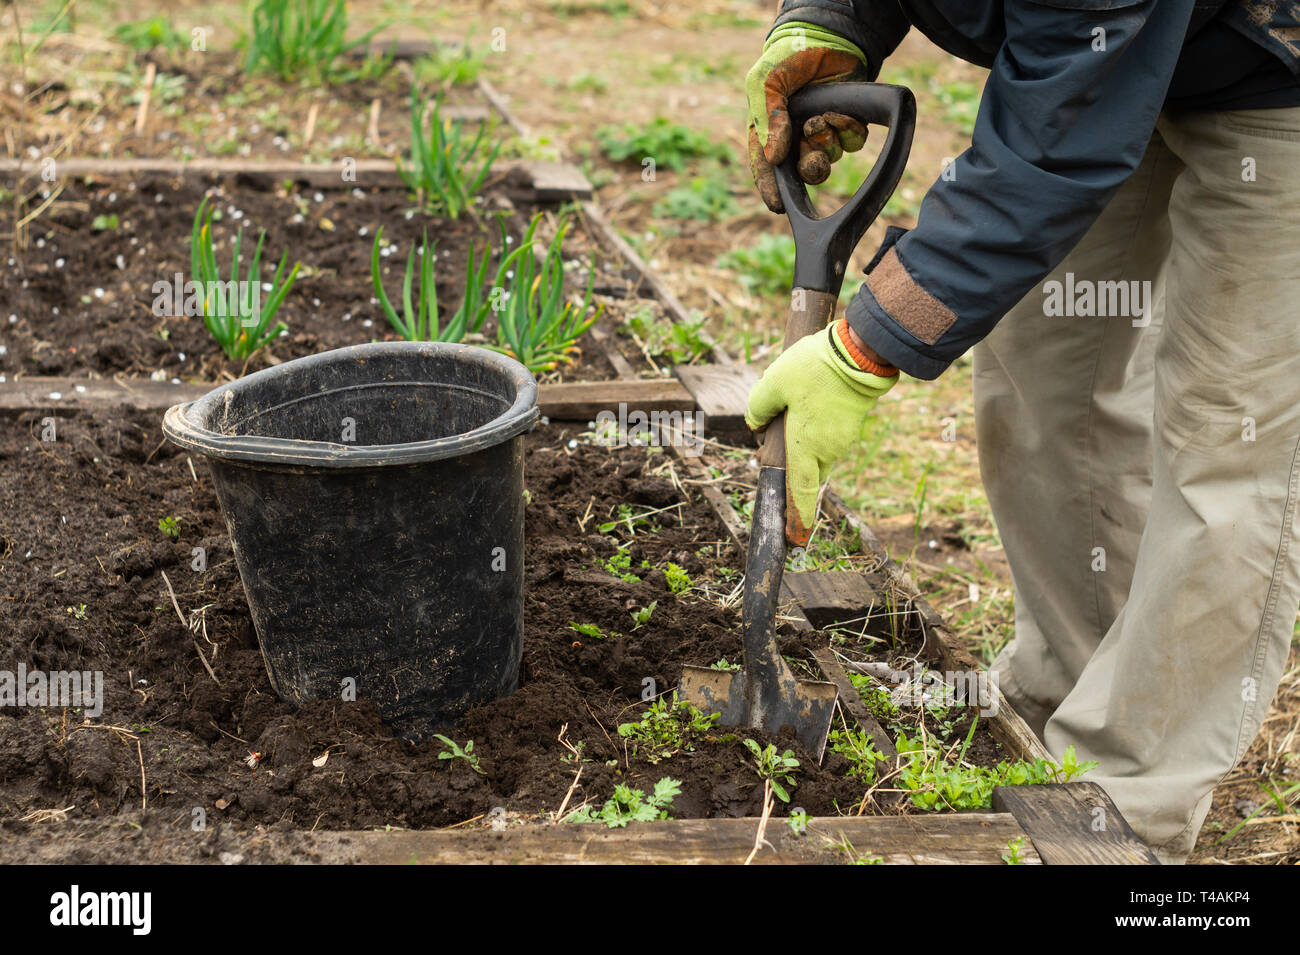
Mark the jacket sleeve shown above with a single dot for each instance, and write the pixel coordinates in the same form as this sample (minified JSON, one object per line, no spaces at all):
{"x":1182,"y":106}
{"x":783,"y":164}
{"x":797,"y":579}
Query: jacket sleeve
{"x":1067,"y":112}
{"x":875,"y":27}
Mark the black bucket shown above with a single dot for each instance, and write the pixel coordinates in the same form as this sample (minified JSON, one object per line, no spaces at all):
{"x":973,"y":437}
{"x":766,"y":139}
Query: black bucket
{"x":375,"y":501}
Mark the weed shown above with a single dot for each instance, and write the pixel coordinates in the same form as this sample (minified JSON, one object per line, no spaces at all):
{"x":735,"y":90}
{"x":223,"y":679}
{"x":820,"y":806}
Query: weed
{"x":631,"y":805}
{"x":588,"y":630}
{"x":626,"y":517}
{"x":150,"y":33}
{"x":1014,"y":851}
{"x":446,"y":169}
{"x":79,"y":611}
{"x":234,"y":314}
{"x":671,"y":145}
{"x":702,"y":198}
{"x":449,"y":65}
{"x":798,"y":822}
{"x":642,"y":616}
{"x":678,"y":343}
{"x":679,"y":581}
{"x":859,"y":750}
{"x":454,"y":751}
{"x":723,"y":664}
{"x":668,"y":727}
{"x":620,"y":565}
{"x":103,"y":223}
{"x":777,"y":769}
{"x":170,"y":526}
{"x":764,"y":268}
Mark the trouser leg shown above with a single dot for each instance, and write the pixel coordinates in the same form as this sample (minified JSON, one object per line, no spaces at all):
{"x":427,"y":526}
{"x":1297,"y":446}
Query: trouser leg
{"x":1063,"y":419}
{"x":1178,"y":687}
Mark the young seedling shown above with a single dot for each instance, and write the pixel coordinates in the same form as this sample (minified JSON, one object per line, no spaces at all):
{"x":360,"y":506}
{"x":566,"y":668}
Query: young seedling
{"x":235,"y":314}
{"x":777,"y":769}
{"x":798,"y":822}
{"x":438,"y":170}
{"x":454,"y":751}
{"x":79,"y":611}
{"x":724,"y":665}
{"x":170,"y":526}
{"x":631,"y":805}
{"x":642,"y":616}
{"x":679,"y":581}
{"x":535,"y":325}
{"x":859,"y":750}
{"x":1014,"y":854}
{"x":418,"y":321}
{"x":588,"y":630}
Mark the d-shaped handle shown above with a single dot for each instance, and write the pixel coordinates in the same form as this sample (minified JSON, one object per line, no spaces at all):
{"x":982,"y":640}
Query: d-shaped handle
{"x":823,"y":245}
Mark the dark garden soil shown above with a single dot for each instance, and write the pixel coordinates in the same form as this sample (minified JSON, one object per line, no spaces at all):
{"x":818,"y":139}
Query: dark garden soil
{"x":80,"y":302}
{"x":82,"y":561}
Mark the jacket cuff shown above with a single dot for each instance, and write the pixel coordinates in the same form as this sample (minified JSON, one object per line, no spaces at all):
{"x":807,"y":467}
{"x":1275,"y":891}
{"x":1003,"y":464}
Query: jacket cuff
{"x":897,"y":317}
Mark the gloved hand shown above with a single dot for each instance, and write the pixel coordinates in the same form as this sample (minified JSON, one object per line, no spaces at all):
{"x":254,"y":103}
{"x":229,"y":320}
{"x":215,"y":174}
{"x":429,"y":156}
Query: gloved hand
{"x":820,"y":384}
{"x":794,"y":56}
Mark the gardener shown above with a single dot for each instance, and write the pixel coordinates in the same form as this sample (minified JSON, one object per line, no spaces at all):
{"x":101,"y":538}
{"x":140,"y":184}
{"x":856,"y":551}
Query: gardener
{"x":1142,"y":467}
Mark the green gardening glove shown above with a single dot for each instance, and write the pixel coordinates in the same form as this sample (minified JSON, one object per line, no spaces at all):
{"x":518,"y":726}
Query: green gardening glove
{"x":826,"y":397}
{"x":798,"y":55}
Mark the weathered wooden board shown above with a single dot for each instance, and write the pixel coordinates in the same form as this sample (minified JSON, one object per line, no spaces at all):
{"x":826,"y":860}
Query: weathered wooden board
{"x":1073,"y":824}
{"x":534,"y":179}
{"x":570,"y":401}
{"x":722,"y":393}
{"x":830,"y":597}
{"x":956,"y":838}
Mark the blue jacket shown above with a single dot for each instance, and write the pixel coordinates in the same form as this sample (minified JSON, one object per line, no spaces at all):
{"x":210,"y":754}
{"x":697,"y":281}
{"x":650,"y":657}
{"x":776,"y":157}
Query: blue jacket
{"x":1072,"y":97}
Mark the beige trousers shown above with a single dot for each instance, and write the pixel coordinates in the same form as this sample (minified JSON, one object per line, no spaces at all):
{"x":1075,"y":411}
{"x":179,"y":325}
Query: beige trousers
{"x":1143,"y":470}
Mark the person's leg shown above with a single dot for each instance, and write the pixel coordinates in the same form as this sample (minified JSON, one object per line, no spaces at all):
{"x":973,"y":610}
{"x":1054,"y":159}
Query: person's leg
{"x":1063,"y":422}
{"x":1178,"y":688}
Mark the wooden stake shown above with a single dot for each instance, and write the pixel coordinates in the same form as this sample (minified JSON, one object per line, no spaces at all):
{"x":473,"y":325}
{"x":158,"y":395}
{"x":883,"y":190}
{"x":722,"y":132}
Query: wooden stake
{"x":372,"y":129}
{"x":310,"y":129}
{"x":142,"y":114}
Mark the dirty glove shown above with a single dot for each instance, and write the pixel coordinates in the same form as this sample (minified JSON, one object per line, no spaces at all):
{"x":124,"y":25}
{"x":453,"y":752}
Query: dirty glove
{"x":794,"y":56}
{"x":821,"y":384}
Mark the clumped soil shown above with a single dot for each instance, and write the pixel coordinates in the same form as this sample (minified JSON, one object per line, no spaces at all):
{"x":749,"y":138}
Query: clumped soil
{"x":79,"y":526}
{"x":80,"y":302}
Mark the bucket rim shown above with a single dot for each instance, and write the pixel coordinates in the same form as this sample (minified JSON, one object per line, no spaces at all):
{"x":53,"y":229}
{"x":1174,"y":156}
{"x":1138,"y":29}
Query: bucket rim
{"x":180,"y":427}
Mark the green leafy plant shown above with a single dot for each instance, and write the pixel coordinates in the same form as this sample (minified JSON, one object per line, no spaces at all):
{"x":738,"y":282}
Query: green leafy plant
{"x":679,"y":581}
{"x":150,"y":33}
{"x":620,"y":565}
{"x":798,"y":822}
{"x":305,"y":40}
{"x":702,"y":198}
{"x":859,"y":750}
{"x":450,"y":64}
{"x":668,"y":727}
{"x":671,"y":145}
{"x":169,"y":526}
{"x":678,"y":343}
{"x":631,"y":805}
{"x":627,"y":517}
{"x":777,"y":769}
{"x":588,"y":630}
{"x":1014,"y":854}
{"x":536,"y":326}
{"x":724,"y":665}
{"x":454,"y":751}
{"x":235,"y":313}
{"x":104,"y":223}
{"x":79,"y":611}
{"x":446,"y":168}
{"x":764,"y":267}
{"x":642,"y":616}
